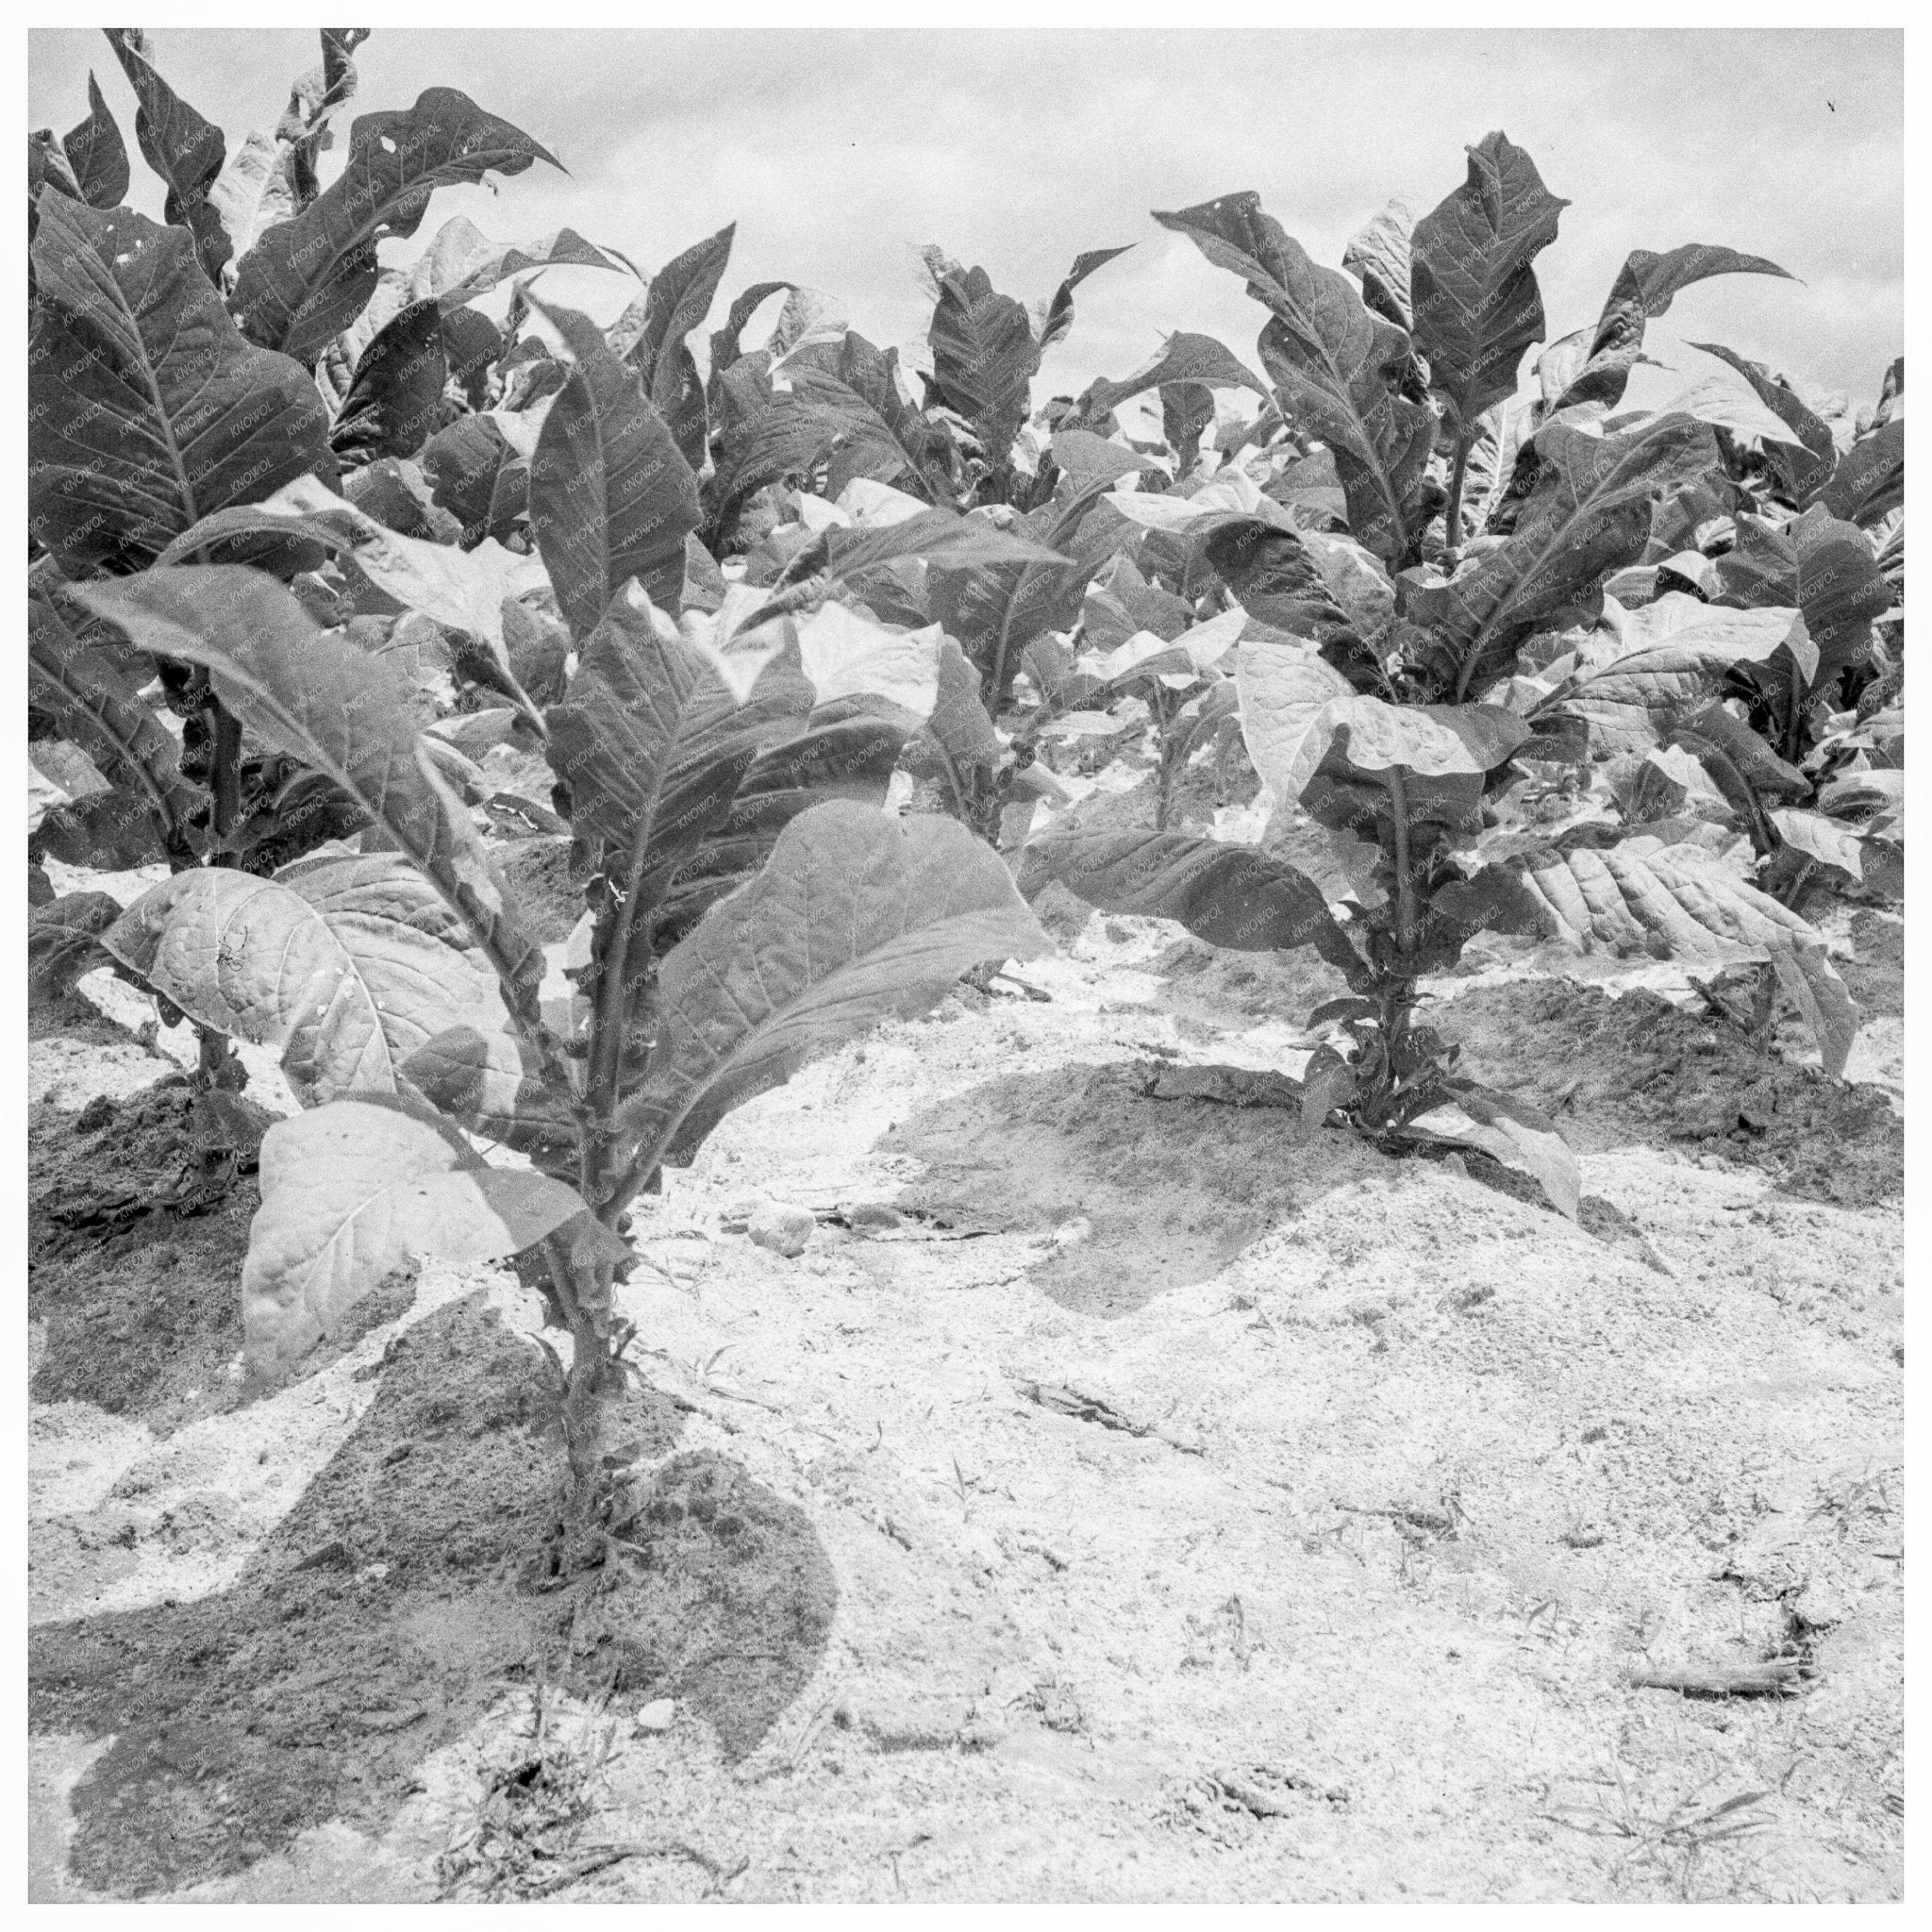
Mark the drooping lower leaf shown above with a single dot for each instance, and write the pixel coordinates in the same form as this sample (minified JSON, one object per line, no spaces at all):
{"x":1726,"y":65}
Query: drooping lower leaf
{"x":63,"y":942}
{"x":357,"y":1189}
{"x":396,"y":404}
{"x":1670,"y":903}
{"x":346,"y":966}
{"x":1509,"y":1130}
{"x":1230,"y":896}
{"x":312,"y":693}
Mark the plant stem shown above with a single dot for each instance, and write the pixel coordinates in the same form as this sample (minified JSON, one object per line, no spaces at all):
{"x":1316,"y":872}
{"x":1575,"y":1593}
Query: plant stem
{"x":1452,"y":511}
{"x":1404,"y":885}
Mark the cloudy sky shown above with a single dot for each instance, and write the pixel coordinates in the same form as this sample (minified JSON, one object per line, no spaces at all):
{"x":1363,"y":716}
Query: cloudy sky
{"x":835,"y":151}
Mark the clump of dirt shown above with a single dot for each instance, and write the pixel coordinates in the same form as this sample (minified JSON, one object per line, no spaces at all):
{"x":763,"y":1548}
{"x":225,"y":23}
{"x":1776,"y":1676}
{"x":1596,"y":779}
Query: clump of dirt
{"x":1139,"y":1195}
{"x":140,"y":1299}
{"x":385,"y":1615}
{"x":1208,"y":983}
{"x":1635,"y":1068}
{"x":370,"y":1629}
{"x":1876,"y":977}
{"x":720,"y":1595}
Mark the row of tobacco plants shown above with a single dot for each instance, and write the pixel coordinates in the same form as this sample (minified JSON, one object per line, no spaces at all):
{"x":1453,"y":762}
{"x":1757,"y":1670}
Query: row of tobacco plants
{"x":350,"y":587}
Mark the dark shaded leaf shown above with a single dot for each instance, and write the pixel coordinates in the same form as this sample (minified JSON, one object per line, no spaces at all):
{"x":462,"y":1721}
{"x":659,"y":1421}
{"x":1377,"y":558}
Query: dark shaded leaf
{"x":1801,"y":469}
{"x":183,"y":149}
{"x":1181,"y":359}
{"x":1823,"y":566}
{"x":1869,"y":479}
{"x":1477,"y":306}
{"x":680,"y":299}
{"x":1587,"y":514}
{"x":97,"y":154}
{"x":1379,"y":253}
{"x":63,"y":942}
{"x":315,"y":696}
{"x":611,"y":497}
{"x":395,"y":402}
{"x":1338,"y":368}
{"x":147,"y":410}
{"x":1060,"y":313}
{"x":1230,"y":896}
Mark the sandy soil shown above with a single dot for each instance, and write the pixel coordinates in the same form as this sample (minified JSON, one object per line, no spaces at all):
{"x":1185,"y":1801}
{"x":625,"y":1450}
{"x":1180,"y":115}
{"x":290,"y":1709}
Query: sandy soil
{"x":1115,"y":1500}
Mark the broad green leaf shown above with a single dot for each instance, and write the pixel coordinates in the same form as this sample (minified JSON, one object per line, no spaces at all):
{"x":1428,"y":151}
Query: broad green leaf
{"x":484,"y":1077}
{"x":1519,"y":1135}
{"x":958,"y":738}
{"x":1804,"y":460}
{"x":1588,"y":514}
{"x":856,"y":918}
{"x":938,"y":537}
{"x":1869,"y":479}
{"x":1691,"y":381}
{"x":1666,"y":656}
{"x":146,"y":409}
{"x":313,"y":695}
{"x":678,"y":299}
{"x":395,"y":402}
{"x":1597,"y":362}
{"x":1477,"y":306}
{"x":652,"y":742}
{"x":1230,"y":896}
{"x":97,"y":154}
{"x":1669,"y":903}
{"x":1298,"y":714}
{"x":354,"y":1191}
{"x":346,"y":967}
{"x":1379,"y":253}
{"x":63,"y":942}
{"x":844,"y":751}
{"x":1310,"y":585}
{"x":1826,"y":841}
{"x":1089,"y":458}
{"x":1822,"y":565}
{"x":984,"y":357}
{"x":996,"y":611}
{"x":611,"y":498}
{"x":1337,"y":367}
{"x":304,"y":281}
{"x":96,"y":705}
{"x":183,"y":149}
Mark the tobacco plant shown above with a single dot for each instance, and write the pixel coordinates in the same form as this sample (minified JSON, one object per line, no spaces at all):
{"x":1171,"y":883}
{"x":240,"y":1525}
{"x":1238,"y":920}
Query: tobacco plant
{"x":259,"y":475}
{"x":1423,"y":682}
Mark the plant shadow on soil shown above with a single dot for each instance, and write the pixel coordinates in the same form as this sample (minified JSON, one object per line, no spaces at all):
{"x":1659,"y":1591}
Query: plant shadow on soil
{"x":407,"y":1589}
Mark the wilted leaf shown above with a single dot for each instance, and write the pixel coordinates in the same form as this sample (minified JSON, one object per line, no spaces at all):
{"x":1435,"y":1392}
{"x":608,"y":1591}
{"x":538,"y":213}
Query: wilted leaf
{"x":1667,"y":904}
{"x":1512,"y":1131}
{"x":1379,"y":253}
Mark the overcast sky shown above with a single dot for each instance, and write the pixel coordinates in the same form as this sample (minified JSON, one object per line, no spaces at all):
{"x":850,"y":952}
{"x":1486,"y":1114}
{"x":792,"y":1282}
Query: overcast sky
{"x":835,"y":150}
